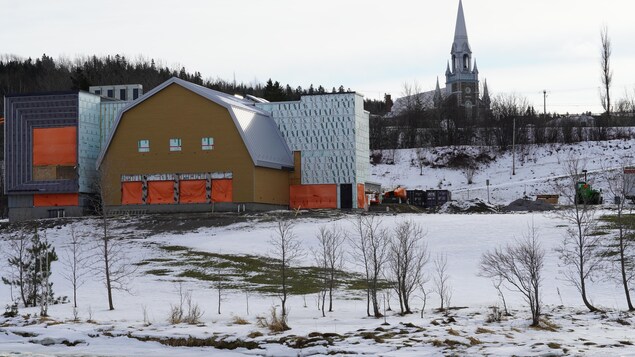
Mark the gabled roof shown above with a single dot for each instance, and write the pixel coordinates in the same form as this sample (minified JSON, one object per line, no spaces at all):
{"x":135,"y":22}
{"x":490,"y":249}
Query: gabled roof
{"x":261,"y":136}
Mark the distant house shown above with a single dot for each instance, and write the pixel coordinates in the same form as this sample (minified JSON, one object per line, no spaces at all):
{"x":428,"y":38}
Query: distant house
{"x":184,"y":147}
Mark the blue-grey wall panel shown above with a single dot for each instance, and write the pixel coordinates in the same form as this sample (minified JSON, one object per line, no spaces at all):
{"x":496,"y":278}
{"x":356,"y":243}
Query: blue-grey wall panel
{"x":23,"y":113}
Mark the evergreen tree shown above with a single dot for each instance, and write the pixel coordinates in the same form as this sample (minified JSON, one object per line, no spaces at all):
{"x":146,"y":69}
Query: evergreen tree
{"x":40,"y":254}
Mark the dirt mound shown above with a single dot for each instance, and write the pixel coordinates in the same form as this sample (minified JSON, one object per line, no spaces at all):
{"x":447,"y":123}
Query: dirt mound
{"x":470,"y":206}
{"x":528,"y":206}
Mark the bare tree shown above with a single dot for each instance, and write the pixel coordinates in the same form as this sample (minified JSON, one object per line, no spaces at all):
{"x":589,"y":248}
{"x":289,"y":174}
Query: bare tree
{"x":407,"y":258}
{"x":287,"y":250}
{"x":76,"y":261}
{"x":623,"y":253}
{"x":115,"y":267}
{"x":371,"y":242}
{"x":442,"y":281}
{"x":520,"y":265}
{"x":606,"y":71}
{"x":329,"y":256}
{"x":580,"y":251}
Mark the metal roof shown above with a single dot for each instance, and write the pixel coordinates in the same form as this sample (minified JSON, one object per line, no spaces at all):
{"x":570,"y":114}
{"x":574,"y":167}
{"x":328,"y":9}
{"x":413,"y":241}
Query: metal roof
{"x":259,"y":132}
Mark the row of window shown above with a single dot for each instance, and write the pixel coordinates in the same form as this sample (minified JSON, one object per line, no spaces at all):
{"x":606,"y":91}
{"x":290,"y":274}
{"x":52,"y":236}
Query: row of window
{"x":175,"y":144}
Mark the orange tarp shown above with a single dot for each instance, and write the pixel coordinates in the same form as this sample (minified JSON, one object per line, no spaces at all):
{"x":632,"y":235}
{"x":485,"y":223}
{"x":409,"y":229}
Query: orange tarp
{"x":361,"y":196}
{"x":131,"y":193}
{"x":313,"y":196}
{"x":192,"y":191}
{"x":222,"y":190}
{"x":56,"y":199}
{"x":160,"y":192}
{"x":55,"y":146}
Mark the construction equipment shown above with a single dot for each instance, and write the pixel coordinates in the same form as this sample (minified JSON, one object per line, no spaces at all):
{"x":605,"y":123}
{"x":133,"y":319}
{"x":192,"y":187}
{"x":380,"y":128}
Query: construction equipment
{"x":585,"y":194}
{"x":398,"y":195}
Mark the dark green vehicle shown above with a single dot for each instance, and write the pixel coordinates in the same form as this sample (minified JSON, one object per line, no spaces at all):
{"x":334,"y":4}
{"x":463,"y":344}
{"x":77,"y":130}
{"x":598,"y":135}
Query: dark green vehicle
{"x":585,"y":194}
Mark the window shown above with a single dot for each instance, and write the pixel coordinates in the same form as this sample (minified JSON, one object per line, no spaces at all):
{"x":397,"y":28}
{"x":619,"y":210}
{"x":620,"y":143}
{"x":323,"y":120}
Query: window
{"x":207,"y":143}
{"x":175,"y":144}
{"x":122,"y":94}
{"x":110,"y":93}
{"x":143,"y":146}
{"x":98,"y":91}
{"x":135,"y":93}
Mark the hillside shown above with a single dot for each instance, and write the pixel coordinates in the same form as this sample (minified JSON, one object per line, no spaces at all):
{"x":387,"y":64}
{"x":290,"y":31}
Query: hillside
{"x":536,"y":168}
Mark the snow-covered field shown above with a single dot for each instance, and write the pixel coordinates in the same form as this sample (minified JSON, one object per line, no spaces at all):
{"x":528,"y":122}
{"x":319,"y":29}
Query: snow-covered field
{"x":567,"y":329}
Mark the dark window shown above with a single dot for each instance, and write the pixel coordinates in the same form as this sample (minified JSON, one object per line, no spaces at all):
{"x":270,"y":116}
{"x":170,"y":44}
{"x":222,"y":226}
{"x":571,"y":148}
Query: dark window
{"x":122,"y":94}
{"x":135,"y":93}
{"x":111,"y":93}
{"x":98,"y":91}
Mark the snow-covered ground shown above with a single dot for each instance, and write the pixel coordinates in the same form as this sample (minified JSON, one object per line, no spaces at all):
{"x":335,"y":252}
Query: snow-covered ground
{"x":535,"y":167}
{"x":568,"y":327}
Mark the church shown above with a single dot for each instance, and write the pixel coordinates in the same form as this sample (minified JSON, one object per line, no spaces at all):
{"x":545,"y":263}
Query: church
{"x":462,"y":87}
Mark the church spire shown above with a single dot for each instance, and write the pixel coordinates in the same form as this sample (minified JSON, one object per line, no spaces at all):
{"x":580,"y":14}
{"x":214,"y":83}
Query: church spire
{"x":461,"y":51}
{"x":460,"y":30}
{"x":486,"y":100}
{"x":438,"y":98}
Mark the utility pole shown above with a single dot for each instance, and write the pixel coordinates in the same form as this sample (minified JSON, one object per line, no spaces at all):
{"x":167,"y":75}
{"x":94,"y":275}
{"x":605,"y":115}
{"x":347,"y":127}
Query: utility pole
{"x":544,"y":94}
{"x":514,"y":148}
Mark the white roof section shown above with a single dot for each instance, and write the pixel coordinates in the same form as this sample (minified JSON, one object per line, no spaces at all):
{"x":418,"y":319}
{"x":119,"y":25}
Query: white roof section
{"x":259,"y":132}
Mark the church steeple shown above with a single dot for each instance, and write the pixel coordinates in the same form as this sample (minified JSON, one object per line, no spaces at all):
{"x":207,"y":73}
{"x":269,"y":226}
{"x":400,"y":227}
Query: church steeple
{"x":461,"y":78}
{"x":486,"y":101}
{"x":438,"y":97}
{"x":461,"y":51}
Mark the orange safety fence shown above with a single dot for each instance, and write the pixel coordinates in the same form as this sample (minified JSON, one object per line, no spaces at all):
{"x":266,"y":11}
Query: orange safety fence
{"x":160,"y":192}
{"x":192,"y":191}
{"x":56,"y":199}
{"x":132,"y":193}
{"x":55,"y":146}
{"x":222,"y":190}
{"x":313,"y":196}
{"x":361,"y":196}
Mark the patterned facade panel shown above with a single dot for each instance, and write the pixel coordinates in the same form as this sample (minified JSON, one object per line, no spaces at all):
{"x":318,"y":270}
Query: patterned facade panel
{"x":89,"y":143}
{"x":325,"y":128}
{"x":23,"y":114}
{"x":108,"y":115}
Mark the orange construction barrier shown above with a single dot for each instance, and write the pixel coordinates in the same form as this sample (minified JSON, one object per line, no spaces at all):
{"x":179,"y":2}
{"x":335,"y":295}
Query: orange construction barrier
{"x":55,"y":146}
{"x":222,"y":190}
{"x":192,"y":191}
{"x":56,"y":199}
{"x":361,"y":195}
{"x":160,"y":192}
{"x":131,"y":193}
{"x":313,"y":196}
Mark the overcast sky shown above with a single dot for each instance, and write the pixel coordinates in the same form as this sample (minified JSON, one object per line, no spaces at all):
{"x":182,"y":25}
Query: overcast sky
{"x":369,"y":46}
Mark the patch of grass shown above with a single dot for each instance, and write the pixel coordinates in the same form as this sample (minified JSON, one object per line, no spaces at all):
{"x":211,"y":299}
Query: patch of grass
{"x":159,"y":272}
{"x":554,"y":345}
{"x":174,"y":248}
{"x":237,"y":320}
{"x":483,"y":330}
{"x":474,"y":341}
{"x":453,"y":332}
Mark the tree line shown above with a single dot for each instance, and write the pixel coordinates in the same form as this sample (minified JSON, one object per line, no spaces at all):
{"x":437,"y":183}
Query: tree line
{"x":44,"y":74}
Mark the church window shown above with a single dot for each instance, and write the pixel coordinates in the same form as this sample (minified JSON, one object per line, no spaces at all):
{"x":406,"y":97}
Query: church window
{"x":466,"y":61}
{"x":454,"y":66}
